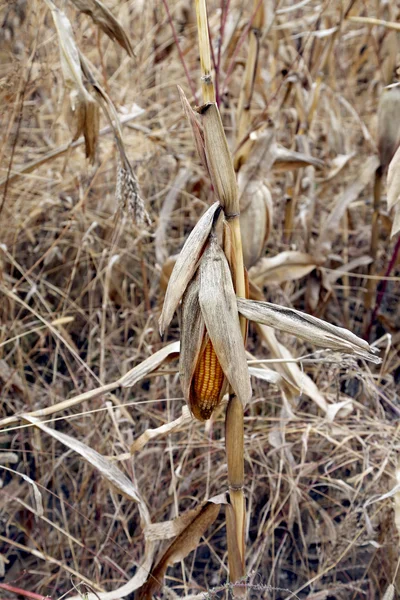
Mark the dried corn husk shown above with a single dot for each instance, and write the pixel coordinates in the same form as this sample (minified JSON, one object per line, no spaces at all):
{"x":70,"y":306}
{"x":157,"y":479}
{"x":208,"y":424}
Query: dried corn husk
{"x":255,"y":221}
{"x":186,"y":265}
{"x":313,"y":330}
{"x":212,"y":347}
{"x":219,"y":160}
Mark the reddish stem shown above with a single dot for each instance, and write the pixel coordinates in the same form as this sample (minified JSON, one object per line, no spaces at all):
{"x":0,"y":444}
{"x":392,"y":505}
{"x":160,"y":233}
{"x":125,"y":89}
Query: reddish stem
{"x":182,"y":58}
{"x":383,"y":286}
{"x":21,"y":592}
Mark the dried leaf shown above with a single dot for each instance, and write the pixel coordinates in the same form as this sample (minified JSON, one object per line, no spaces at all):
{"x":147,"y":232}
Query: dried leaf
{"x":36,"y":492}
{"x":196,"y":127}
{"x":286,"y":160}
{"x":83,"y":106}
{"x":218,"y":306}
{"x":393,"y":191}
{"x":148,"y":365}
{"x":285,"y":266}
{"x":186,"y":542}
{"x":330,"y":227}
{"x":150,"y":434}
{"x":255,"y":221}
{"x":104,"y":18}
{"x":312,"y":330}
{"x":300,"y":380}
{"x":186,"y":265}
{"x":106,"y":468}
{"x":219,"y":159}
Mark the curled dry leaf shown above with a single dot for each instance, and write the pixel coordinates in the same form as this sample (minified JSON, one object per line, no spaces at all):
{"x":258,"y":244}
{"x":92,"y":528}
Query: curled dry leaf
{"x":285,"y":266}
{"x":150,"y":434}
{"x":104,"y":18}
{"x":187,"y":541}
{"x":388,"y":125}
{"x":186,"y":265}
{"x":148,"y":365}
{"x":83,"y":106}
{"x":219,"y":309}
{"x":393,"y":191}
{"x":308,"y":328}
{"x":285,"y":160}
{"x":255,"y":221}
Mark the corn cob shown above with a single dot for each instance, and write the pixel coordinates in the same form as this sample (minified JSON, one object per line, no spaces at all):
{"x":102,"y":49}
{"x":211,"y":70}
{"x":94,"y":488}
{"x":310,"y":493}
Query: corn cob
{"x":207,"y":383}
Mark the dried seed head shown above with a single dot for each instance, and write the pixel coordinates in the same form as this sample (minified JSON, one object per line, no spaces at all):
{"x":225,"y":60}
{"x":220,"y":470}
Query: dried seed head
{"x":255,"y":221}
{"x":128,"y":197}
{"x":219,"y":159}
{"x":388,"y":124}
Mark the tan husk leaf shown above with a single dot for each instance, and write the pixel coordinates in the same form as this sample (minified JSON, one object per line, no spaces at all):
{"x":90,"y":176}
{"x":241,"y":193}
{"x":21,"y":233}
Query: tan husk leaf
{"x":255,"y":221}
{"x":306,"y":327}
{"x":393,"y":191}
{"x":219,"y":160}
{"x":192,"y":336}
{"x":218,"y":306}
{"x":104,"y":18}
{"x":285,"y":266}
{"x":186,"y":542}
{"x":186,"y":265}
{"x":83,"y":106}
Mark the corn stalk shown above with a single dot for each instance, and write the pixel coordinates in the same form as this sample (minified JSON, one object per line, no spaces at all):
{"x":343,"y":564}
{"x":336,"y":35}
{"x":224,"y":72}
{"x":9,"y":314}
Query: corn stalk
{"x":234,"y":415}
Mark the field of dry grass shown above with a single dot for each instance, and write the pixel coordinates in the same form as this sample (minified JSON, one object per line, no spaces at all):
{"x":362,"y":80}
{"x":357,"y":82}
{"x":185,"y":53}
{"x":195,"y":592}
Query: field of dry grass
{"x":93,"y":465}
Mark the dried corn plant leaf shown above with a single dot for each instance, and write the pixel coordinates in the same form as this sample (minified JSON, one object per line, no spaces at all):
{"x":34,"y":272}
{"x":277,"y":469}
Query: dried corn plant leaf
{"x":331,"y":225}
{"x":308,"y":328}
{"x":290,"y":369}
{"x":393,"y":191}
{"x":186,"y":542}
{"x":286,"y":160}
{"x":38,"y":510}
{"x":388,"y":124}
{"x":196,"y":128}
{"x":104,"y":18}
{"x":255,"y":221}
{"x":171,"y":427}
{"x":83,"y":106}
{"x":186,"y":265}
{"x":285,"y":266}
{"x":105,"y":467}
{"x":218,"y":306}
{"x":219,"y":159}
{"x":148,"y":365}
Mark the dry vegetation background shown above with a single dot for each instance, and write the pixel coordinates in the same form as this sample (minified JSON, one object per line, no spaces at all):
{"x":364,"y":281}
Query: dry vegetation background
{"x":81,"y":291}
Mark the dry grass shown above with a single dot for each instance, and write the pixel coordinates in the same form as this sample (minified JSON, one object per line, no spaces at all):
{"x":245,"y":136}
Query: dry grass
{"x":81,"y":297}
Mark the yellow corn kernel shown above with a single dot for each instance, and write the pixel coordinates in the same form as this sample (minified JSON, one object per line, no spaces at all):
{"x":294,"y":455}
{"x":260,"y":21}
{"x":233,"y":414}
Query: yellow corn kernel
{"x":206,"y":384}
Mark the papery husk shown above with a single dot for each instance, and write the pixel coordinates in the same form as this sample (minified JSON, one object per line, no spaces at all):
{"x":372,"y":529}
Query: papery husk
{"x":255,"y":221}
{"x":218,"y":306}
{"x":186,"y":265}
{"x":219,"y":160}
